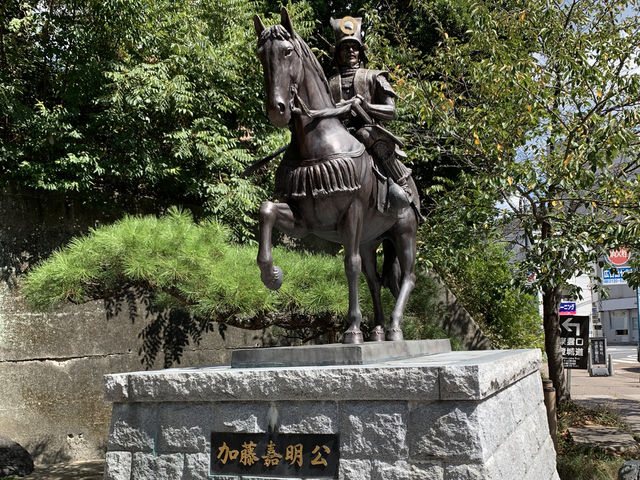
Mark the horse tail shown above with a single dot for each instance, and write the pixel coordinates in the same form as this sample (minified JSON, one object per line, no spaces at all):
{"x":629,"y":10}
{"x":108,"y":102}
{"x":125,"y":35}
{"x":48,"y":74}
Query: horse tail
{"x":391,"y":273}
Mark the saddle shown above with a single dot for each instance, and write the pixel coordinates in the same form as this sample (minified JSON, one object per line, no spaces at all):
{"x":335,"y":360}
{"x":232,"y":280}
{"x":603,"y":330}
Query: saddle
{"x":318,"y":177}
{"x":321,"y":177}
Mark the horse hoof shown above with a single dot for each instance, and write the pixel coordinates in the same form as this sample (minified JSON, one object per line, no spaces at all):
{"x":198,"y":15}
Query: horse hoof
{"x":377,"y":335}
{"x":395,"y":334}
{"x":352,"y":337}
{"x":274,"y":281}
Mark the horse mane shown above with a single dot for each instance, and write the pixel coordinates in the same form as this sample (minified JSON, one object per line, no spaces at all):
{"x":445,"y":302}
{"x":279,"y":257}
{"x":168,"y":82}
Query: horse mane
{"x":278,"y":32}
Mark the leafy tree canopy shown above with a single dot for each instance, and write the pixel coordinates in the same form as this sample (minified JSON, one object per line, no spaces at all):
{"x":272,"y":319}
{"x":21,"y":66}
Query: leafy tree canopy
{"x":520,"y":117}
{"x":129,"y":98}
{"x":541,"y":106}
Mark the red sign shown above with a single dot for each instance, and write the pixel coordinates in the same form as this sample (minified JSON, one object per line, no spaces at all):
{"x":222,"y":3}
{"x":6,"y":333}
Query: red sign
{"x":618,"y":257}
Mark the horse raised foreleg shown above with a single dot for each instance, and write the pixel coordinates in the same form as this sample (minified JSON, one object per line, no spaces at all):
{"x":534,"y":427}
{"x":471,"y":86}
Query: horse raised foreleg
{"x":405,"y":244}
{"x":271,"y":215}
{"x":368,"y":255}
{"x":350,"y":229}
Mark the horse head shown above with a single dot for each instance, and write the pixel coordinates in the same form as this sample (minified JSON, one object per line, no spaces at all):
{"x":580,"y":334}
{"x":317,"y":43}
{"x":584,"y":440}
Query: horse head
{"x":280,"y":54}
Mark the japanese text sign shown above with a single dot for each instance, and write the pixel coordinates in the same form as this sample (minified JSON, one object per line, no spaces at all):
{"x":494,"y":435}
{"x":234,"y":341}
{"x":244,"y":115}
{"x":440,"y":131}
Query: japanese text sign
{"x":618,"y":257}
{"x":598,"y":351}
{"x":574,"y":341}
{"x":567,"y":308}
{"x":275,"y":455}
{"x":611,"y":278}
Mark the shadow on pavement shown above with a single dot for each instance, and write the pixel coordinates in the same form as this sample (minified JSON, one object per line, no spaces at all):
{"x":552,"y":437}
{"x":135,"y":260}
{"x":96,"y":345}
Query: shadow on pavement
{"x":91,"y":470}
{"x":629,"y":409}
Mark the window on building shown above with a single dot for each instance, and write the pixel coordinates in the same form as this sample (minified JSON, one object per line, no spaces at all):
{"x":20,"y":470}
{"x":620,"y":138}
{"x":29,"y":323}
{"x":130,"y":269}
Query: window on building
{"x":620,"y":322}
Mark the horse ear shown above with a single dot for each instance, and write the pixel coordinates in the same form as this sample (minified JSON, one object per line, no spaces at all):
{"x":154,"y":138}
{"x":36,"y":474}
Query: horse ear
{"x":259,"y":26}
{"x":285,"y":20}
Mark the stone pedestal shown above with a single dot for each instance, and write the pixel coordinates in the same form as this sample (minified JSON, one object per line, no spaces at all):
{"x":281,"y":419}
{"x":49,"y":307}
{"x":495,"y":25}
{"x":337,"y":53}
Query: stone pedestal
{"x":447,"y":416}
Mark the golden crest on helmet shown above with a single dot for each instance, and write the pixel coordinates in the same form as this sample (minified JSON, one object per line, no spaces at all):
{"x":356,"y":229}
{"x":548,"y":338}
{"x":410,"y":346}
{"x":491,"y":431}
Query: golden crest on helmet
{"x":348,"y":25}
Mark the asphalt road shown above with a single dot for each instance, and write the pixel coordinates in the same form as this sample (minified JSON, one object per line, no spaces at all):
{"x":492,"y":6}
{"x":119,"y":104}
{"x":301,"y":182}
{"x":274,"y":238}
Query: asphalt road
{"x":624,"y":354}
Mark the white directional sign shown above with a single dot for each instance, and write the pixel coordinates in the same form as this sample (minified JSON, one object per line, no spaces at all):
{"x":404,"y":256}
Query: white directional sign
{"x":571,"y":323}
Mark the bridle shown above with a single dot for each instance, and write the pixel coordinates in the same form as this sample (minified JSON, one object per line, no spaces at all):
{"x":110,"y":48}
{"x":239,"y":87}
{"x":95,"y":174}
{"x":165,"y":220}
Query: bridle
{"x":297,"y":105}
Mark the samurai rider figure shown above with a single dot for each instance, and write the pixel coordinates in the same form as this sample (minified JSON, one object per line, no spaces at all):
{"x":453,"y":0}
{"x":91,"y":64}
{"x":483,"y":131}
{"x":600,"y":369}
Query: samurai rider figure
{"x":373,"y":101}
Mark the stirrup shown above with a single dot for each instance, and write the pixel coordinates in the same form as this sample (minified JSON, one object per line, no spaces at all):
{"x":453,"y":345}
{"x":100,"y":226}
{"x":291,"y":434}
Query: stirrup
{"x":397,"y":198}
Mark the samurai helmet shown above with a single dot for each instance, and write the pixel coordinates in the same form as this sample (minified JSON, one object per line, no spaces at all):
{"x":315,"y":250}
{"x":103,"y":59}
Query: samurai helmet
{"x":345,"y":29}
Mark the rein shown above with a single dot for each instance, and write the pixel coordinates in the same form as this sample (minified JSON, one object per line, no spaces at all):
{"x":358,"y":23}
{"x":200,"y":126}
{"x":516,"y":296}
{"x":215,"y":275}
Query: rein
{"x":295,"y":99}
{"x":303,"y":109}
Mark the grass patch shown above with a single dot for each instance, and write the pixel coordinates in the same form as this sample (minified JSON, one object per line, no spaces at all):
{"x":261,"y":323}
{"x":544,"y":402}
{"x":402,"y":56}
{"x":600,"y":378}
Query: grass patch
{"x":576,"y":462}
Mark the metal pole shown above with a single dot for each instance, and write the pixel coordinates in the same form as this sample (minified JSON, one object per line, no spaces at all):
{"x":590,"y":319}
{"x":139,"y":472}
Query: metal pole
{"x":610,"y":366}
{"x":638,"y":310}
{"x":569,"y":381}
{"x":550,"y":404}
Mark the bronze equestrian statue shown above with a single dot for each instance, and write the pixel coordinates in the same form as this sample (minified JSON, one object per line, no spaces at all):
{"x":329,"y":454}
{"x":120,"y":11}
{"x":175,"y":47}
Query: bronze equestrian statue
{"x":329,"y":185}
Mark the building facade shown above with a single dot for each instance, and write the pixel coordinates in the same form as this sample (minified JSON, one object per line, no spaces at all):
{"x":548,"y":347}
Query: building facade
{"x":617,"y":312}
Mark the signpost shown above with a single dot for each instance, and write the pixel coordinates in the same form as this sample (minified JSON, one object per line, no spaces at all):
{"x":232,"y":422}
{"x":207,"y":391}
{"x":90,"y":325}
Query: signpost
{"x":598,"y":350}
{"x":574,"y":340}
{"x":610,"y":278}
{"x":619,"y":259}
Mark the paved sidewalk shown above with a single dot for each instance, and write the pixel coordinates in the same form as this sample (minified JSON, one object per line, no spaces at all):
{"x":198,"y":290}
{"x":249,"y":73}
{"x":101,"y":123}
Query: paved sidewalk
{"x":621,"y":391}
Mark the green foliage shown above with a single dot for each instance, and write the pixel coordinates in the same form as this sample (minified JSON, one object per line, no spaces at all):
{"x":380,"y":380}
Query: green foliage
{"x":157,"y":99}
{"x":559,"y":161}
{"x":589,"y":464}
{"x":190,"y":266}
{"x":526,"y":113}
{"x":534,"y":110}
{"x":520,"y":120}
{"x":446,"y":60}
{"x":424,"y":312}
{"x":509,"y":316}
{"x":571,"y":414}
{"x":480,"y":274}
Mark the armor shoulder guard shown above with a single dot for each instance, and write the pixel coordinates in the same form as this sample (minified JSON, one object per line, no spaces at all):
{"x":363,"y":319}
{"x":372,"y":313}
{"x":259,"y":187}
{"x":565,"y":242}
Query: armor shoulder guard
{"x":373,"y":83}
{"x":382,"y":81}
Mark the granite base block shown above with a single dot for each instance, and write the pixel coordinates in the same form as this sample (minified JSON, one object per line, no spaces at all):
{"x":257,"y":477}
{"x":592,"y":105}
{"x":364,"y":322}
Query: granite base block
{"x":337,"y":354}
{"x":447,"y":416}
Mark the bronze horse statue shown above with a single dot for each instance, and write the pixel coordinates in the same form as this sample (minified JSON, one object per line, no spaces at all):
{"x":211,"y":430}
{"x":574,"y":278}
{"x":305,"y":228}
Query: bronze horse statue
{"x":328,"y":185}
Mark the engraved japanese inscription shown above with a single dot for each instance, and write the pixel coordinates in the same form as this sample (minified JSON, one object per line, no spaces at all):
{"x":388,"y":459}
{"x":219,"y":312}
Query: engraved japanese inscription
{"x":275,"y":454}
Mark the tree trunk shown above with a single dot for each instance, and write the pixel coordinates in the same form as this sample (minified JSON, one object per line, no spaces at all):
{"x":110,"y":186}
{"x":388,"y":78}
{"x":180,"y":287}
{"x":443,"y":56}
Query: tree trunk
{"x":550,"y":305}
{"x":3,"y":55}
